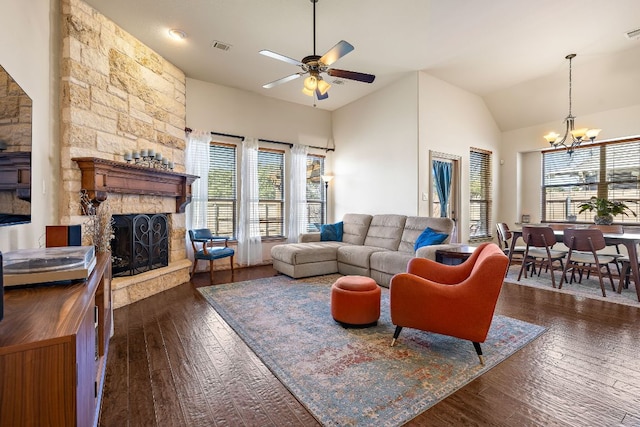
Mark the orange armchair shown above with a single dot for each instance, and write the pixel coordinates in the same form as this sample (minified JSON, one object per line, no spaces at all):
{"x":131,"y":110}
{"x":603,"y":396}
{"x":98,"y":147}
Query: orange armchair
{"x":455,"y":300}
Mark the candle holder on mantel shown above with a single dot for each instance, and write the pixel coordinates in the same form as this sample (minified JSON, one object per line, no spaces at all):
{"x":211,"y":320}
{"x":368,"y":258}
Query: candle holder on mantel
{"x":148,"y":158}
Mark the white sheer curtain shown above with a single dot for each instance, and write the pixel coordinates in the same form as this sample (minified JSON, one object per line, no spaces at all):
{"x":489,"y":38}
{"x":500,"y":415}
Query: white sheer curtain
{"x":197,"y":163}
{"x":297,"y":200}
{"x":249,"y":240}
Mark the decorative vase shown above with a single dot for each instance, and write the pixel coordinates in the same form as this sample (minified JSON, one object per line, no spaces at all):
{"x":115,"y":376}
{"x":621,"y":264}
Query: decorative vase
{"x":603,"y":220}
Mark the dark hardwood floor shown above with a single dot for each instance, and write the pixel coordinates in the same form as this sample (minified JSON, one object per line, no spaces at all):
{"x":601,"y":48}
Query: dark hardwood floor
{"x":174,"y":362}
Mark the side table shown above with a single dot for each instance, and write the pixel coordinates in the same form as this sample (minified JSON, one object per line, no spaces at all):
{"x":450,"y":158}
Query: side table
{"x":454,"y":256}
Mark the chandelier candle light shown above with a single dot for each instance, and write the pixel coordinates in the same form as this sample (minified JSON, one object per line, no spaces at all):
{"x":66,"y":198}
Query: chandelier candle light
{"x":572,"y":137}
{"x":149,"y":158}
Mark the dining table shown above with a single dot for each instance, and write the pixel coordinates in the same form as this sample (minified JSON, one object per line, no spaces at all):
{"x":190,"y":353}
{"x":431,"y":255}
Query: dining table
{"x":628,"y":240}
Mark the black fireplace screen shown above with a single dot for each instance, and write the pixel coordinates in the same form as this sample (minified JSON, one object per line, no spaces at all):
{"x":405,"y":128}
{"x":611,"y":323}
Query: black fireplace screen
{"x":140,"y":244}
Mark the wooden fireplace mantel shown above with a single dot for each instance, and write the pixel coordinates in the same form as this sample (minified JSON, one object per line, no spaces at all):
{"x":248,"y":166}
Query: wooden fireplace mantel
{"x":102,"y":176}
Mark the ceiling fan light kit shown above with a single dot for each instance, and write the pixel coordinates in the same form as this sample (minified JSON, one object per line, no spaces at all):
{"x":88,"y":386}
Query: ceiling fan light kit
{"x":315,"y":65}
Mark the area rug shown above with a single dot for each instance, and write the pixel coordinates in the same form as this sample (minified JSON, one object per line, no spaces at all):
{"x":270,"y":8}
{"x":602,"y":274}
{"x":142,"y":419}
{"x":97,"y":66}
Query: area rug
{"x":589,"y":288}
{"x":352,"y":377}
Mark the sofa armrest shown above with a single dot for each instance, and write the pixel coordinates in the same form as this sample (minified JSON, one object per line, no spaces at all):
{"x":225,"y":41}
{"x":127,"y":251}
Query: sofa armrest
{"x":308,"y":237}
{"x":429,"y":252}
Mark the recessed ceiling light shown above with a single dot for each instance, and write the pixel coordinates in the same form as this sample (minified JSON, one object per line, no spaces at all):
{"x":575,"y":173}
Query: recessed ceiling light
{"x":177,"y":34}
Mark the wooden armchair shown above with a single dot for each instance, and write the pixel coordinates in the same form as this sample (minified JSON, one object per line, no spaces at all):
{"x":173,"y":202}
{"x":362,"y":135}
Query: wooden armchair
{"x":457,"y":300}
{"x":208,"y":251}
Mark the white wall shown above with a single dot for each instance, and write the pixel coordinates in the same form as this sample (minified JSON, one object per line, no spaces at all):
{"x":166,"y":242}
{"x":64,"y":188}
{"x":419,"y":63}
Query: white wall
{"x":376,"y":158}
{"x":451,"y":121}
{"x":520,"y":150}
{"x":383,"y":142}
{"x":28,"y":51}
{"x":227,"y":110}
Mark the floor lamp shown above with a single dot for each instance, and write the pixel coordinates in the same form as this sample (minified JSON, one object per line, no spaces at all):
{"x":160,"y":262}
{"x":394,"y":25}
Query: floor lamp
{"x":326,"y":179}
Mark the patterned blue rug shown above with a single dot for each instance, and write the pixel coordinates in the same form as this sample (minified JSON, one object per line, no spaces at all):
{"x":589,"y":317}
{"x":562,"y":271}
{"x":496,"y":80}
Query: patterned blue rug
{"x":352,"y":377}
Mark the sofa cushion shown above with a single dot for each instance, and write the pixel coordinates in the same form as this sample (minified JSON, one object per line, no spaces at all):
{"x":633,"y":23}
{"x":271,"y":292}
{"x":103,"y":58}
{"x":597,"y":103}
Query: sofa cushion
{"x":429,"y":237}
{"x":415,"y":225}
{"x":385,"y":231}
{"x":331,"y":232}
{"x":356,"y":255}
{"x":354,"y":229}
{"x":390,"y":261}
{"x":302,"y":253}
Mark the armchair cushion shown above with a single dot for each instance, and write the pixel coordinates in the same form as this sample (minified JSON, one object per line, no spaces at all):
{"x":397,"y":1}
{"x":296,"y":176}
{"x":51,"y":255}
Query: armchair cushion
{"x":429,"y":237}
{"x":331,"y":232}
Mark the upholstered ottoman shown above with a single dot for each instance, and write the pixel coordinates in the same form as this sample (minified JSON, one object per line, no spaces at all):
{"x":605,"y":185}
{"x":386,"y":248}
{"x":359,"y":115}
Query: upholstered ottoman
{"x":355,"y":301}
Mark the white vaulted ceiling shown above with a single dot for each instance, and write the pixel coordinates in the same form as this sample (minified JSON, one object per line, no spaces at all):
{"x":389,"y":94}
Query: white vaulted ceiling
{"x":510,"y":52}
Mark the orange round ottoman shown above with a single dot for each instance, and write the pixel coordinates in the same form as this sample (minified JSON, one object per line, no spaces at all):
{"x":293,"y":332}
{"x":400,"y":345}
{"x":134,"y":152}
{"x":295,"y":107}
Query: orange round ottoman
{"x":355,"y":301}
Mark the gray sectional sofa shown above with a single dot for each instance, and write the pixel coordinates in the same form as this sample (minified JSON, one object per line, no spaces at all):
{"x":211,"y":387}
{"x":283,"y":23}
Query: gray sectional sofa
{"x":377,"y":246}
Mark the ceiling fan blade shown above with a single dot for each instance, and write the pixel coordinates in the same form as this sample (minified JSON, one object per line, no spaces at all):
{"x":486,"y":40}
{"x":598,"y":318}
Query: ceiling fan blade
{"x":336,"y":52}
{"x":282,"y":80}
{"x":351,"y":75}
{"x":279,"y":57}
{"x":321,"y":96}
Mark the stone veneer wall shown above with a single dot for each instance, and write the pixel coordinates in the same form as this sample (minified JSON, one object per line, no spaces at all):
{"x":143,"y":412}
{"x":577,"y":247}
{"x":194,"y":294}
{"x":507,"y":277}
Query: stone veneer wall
{"x":117,"y":95}
{"x":15,"y":134}
{"x":15,"y":114}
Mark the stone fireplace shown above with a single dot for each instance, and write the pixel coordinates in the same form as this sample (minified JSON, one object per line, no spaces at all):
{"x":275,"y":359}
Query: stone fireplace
{"x":118,"y":96}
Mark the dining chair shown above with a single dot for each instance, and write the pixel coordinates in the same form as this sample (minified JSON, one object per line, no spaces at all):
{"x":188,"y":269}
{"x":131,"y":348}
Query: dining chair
{"x":611,"y":229}
{"x":625,"y":271}
{"x":208,"y":250}
{"x":584,"y":244}
{"x":540,"y":241}
{"x":504,"y":242}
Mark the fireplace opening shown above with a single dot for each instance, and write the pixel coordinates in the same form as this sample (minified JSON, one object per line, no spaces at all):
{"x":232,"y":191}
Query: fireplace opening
{"x":140,"y":243}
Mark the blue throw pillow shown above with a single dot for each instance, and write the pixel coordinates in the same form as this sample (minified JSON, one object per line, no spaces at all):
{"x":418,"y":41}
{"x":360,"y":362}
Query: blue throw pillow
{"x":331,"y":232}
{"x":429,"y":237}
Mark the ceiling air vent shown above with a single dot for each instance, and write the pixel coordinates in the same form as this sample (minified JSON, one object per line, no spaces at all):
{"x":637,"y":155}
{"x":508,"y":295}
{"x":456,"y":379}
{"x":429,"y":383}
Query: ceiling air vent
{"x":634,"y":34}
{"x":220,"y":45}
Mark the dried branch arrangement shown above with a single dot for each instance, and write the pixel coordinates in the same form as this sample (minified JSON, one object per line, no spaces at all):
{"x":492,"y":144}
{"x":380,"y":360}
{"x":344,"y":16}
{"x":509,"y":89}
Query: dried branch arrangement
{"x":98,"y":228}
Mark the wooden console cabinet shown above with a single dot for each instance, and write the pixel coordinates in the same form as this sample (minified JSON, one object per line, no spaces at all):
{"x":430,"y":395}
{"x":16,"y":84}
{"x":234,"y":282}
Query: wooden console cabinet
{"x":53,"y":351}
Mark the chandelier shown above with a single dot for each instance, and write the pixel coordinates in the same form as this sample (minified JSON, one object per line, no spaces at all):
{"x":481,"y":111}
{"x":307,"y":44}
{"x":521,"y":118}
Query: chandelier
{"x":572,"y":137}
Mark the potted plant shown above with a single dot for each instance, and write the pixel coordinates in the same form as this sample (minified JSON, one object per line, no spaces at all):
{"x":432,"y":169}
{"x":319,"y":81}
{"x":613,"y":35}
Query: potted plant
{"x":605,"y":209}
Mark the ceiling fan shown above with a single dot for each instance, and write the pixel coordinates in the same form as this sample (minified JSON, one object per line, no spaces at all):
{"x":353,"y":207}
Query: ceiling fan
{"x":315,"y":65}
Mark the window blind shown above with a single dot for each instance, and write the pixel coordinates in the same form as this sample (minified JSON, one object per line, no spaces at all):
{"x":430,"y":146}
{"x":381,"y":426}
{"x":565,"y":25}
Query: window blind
{"x":480,"y":204}
{"x":271,"y":191}
{"x":610,"y":170}
{"x":316,"y":195}
{"x":222,"y":195}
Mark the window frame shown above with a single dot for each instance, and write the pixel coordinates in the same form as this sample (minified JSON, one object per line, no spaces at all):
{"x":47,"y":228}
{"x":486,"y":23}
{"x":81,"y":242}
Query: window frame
{"x":313,"y":178}
{"x":265,"y":221}
{"x":483,"y":223}
{"x":212,"y":224}
{"x":595,"y":181}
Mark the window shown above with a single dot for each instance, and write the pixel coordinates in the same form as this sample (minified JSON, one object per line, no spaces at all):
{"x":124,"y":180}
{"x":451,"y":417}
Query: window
{"x":222,"y":202}
{"x":271,"y":192}
{"x":316,"y":195}
{"x":480,"y":194}
{"x":610,"y":170}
